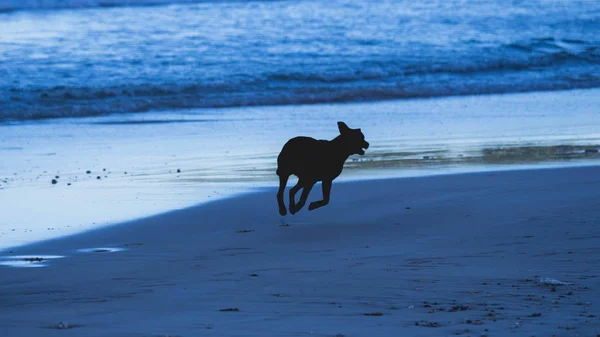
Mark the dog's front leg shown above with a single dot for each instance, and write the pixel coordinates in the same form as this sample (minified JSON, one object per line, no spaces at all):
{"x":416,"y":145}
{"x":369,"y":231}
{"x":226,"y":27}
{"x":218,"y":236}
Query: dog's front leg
{"x":282,"y":182}
{"x":326,"y":186}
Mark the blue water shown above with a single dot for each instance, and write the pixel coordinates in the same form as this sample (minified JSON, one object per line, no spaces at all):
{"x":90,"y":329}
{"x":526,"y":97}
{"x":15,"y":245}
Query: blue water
{"x":90,"y":57}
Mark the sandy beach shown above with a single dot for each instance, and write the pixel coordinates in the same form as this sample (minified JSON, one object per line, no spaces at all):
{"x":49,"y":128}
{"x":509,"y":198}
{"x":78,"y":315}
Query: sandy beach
{"x":139,"y":145}
{"x":484,"y":254}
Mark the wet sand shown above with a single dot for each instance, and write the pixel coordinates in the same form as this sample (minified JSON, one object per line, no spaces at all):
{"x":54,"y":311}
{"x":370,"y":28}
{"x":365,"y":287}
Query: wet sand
{"x":148,"y":163}
{"x":495,"y":254}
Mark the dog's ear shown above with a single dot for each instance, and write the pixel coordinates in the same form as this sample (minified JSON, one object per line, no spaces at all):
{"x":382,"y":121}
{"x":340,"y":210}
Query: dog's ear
{"x":343,"y":127}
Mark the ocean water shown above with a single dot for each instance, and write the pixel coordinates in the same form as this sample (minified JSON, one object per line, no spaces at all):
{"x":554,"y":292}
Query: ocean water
{"x":75,"y":58}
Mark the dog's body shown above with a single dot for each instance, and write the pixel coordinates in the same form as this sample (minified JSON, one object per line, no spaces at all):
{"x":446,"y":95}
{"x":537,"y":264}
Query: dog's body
{"x":314,"y":160}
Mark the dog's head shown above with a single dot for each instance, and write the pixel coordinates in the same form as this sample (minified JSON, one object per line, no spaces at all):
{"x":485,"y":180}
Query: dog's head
{"x":353,"y":139}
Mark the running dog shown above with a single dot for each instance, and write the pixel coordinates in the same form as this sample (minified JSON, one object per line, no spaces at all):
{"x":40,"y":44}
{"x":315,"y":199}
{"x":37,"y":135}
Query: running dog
{"x":313,"y":160}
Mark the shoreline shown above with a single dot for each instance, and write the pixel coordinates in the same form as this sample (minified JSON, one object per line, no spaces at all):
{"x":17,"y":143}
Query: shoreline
{"x":466,"y":254}
{"x":143,"y":164}
{"x":261,"y":190}
{"x":247,"y":189}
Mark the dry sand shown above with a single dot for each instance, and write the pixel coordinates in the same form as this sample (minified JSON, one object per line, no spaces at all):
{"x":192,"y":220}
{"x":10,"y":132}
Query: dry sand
{"x":435,"y":256}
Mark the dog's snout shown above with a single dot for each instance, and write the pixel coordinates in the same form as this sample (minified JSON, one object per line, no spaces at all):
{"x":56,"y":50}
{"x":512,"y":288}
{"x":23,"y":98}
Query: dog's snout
{"x":366,"y":145}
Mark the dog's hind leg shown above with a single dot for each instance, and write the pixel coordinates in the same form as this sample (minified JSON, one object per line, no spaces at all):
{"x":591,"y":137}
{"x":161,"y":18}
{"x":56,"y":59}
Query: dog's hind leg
{"x":282,"y":183}
{"x":305,"y":191}
{"x":326,"y":185}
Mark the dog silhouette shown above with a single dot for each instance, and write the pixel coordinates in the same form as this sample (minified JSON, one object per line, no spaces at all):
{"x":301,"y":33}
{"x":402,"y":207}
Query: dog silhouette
{"x":313,"y":160}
